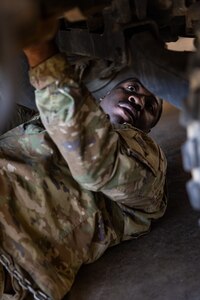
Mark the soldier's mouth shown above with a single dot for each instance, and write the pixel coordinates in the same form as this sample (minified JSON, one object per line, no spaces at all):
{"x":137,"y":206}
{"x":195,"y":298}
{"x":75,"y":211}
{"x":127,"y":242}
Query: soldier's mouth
{"x":130,"y":113}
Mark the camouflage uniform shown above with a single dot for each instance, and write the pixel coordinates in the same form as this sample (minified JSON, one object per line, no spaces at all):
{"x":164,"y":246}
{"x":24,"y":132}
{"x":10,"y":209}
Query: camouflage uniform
{"x":72,"y":185}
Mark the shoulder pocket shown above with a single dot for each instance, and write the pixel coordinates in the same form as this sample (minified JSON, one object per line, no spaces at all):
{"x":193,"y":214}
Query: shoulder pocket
{"x":143,"y":148}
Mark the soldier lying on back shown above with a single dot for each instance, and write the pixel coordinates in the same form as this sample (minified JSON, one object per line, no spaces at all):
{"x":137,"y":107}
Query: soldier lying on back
{"x":76,"y":179}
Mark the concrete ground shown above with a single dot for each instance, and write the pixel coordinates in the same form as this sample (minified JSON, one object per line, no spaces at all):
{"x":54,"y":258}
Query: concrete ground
{"x":163,"y":265}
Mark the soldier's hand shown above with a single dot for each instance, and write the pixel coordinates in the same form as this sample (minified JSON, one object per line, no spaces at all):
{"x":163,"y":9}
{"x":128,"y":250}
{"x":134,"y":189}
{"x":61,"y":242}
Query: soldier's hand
{"x":38,"y":53}
{"x":43,"y":31}
{"x":41,"y":45}
{"x":24,"y":21}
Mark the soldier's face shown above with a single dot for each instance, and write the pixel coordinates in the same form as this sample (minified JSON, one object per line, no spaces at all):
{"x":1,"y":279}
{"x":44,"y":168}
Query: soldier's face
{"x":130,"y":102}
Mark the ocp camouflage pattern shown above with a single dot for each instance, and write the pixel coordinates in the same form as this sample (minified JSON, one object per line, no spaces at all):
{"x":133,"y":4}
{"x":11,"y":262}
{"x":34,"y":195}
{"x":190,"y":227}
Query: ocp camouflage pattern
{"x":72,"y":185}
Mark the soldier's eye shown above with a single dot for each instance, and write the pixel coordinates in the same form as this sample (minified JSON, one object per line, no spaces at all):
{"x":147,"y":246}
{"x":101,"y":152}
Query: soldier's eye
{"x":133,"y":87}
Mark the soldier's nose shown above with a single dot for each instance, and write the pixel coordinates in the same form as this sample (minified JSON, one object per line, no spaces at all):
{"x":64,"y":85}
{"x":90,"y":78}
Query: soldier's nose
{"x":138,"y":101}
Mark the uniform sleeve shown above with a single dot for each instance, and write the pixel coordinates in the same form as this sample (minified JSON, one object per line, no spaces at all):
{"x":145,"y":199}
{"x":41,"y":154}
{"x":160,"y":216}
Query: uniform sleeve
{"x":83,"y":133}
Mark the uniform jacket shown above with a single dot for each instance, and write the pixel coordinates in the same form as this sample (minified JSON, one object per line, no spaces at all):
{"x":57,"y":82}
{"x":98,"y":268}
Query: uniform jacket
{"x":72,"y":185}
